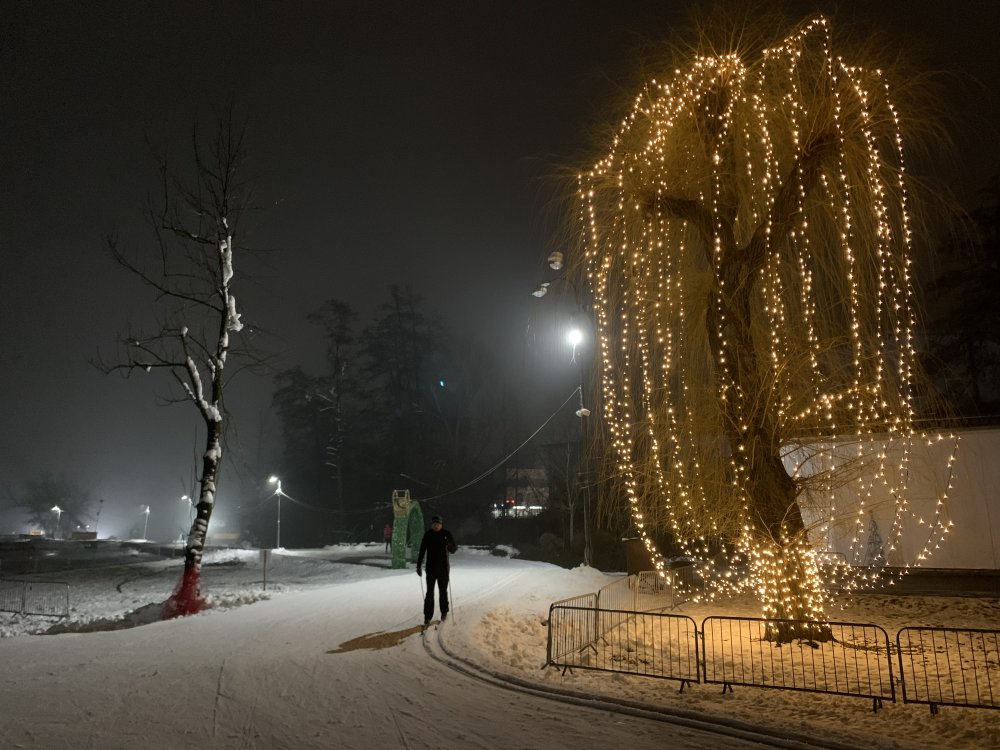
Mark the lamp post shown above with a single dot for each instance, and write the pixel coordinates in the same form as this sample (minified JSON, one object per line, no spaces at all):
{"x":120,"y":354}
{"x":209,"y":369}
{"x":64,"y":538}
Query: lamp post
{"x":145,"y":525}
{"x":575,"y":336}
{"x":190,"y":502}
{"x":58,"y":511}
{"x":274,"y":480}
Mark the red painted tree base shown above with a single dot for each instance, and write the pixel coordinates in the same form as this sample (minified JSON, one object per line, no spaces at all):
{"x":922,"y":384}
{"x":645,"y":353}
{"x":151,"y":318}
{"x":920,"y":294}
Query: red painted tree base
{"x":186,"y":599}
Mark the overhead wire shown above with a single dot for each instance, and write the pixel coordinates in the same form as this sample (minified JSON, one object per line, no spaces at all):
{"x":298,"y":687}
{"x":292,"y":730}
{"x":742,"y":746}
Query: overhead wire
{"x":483,"y":475}
{"x":506,"y":458}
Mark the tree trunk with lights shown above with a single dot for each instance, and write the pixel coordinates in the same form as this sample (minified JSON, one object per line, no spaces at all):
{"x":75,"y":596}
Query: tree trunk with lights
{"x":774,"y":514}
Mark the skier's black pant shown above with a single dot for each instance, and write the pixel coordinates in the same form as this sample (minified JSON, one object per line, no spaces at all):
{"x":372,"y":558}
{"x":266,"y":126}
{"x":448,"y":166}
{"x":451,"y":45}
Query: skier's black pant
{"x":441,"y":579}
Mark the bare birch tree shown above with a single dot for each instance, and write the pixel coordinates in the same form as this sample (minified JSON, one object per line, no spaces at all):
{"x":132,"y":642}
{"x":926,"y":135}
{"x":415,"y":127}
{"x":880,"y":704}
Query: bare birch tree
{"x":190,"y":269}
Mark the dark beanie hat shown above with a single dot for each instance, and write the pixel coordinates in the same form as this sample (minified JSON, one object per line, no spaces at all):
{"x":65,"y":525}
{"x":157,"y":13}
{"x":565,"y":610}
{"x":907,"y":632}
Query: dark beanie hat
{"x":436,"y":519}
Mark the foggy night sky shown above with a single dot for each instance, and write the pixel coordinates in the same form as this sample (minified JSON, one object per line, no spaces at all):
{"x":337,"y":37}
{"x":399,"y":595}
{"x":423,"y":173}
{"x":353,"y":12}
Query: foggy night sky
{"x":394,"y":142}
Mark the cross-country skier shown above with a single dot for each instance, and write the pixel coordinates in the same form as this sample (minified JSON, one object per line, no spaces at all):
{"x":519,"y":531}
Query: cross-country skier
{"x":436,"y":544}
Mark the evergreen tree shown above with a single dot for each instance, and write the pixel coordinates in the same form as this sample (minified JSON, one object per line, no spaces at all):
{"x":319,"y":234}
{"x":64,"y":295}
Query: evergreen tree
{"x":338,"y":394}
{"x":401,"y":346}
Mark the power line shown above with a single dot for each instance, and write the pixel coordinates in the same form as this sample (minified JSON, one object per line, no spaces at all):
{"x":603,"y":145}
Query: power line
{"x":506,"y":458}
{"x":468,"y":484}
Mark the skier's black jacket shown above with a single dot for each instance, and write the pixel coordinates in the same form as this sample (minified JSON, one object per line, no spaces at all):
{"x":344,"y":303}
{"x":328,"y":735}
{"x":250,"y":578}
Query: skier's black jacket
{"x":436,"y":545}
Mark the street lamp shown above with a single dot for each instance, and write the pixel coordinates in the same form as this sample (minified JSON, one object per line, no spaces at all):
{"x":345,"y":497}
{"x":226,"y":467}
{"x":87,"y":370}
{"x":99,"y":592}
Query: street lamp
{"x":575,"y":336}
{"x":279,"y":493}
{"x":58,"y":511}
{"x":190,"y":503}
{"x":145,"y":525}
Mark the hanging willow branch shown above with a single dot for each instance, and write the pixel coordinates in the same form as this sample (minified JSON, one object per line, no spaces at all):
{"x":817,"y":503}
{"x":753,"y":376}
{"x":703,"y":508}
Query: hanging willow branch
{"x":747,"y":240}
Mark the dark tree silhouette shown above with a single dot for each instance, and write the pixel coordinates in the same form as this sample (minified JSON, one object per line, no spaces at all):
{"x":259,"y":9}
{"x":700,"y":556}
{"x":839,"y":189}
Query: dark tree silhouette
{"x":45,"y":492}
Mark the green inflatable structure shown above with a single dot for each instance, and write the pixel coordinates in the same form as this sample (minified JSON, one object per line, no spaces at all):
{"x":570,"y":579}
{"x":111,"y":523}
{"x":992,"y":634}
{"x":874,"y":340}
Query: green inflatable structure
{"x":407,"y":528}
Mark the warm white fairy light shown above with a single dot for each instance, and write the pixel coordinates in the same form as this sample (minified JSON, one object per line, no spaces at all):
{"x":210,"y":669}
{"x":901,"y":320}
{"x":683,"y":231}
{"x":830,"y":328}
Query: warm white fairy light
{"x":796,"y":160}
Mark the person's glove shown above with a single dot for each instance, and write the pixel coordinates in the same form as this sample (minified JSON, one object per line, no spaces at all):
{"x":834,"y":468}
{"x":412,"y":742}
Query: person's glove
{"x":419,"y":571}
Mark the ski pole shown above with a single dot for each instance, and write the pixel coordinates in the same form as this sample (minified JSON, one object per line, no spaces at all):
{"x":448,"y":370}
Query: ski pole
{"x":451,"y":597}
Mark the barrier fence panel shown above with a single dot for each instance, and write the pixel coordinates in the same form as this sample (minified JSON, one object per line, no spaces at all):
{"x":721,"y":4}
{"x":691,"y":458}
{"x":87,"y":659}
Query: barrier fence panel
{"x":651,"y":644}
{"x":646,"y":591}
{"x":650,"y":590}
{"x":622,"y":597}
{"x":937,"y":666}
{"x":950,"y":666}
{"x":11,"y":596}
{"x":619,"y":594}
{"x":572,"y":627}
{"x":47,"y":598}
{"x":742,"y":651}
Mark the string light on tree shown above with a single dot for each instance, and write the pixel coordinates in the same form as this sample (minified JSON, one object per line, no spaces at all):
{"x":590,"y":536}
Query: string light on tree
{"x":747,"y":240}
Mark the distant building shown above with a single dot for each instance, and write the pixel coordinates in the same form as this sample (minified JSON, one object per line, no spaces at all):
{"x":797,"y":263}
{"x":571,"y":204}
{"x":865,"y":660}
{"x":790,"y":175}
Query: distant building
{"x":525,"y":493}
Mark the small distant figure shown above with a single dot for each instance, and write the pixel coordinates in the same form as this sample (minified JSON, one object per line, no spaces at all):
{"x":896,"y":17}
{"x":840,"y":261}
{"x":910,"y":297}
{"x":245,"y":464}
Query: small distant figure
{"x":387,"y":536}
{"x":437,"y":544}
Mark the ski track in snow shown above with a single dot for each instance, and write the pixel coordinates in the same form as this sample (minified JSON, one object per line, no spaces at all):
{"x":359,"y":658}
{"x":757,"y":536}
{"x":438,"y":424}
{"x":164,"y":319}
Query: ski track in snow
{"x":716,"y":734}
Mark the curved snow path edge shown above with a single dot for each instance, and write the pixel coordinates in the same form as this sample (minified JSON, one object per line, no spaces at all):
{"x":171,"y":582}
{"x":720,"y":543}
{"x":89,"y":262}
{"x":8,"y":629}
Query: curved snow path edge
{"x":719,"y":725}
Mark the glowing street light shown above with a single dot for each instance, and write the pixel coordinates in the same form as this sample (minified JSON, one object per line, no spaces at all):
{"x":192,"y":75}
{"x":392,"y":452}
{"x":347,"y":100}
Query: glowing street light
{"x":58,"y":511}
{"x":575,"y":336}
{"x":190,"y":502}
{"x":279,"y":493}
{"x":145,"y":525}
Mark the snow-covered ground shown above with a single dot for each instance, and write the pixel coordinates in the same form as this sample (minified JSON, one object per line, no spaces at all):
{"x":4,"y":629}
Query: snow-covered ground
{"x":331,"y":655}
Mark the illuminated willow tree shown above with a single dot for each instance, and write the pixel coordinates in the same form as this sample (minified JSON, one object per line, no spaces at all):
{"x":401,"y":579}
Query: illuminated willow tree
{"x":747,"y":243}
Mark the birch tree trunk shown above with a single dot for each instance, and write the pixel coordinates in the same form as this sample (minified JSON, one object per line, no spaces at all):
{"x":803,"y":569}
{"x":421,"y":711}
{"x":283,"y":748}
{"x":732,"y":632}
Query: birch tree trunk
{"x":190,"y":270}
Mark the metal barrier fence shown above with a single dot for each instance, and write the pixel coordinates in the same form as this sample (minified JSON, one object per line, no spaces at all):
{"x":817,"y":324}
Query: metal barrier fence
{"x":11,"y":596}
{"x":650,"y":644}
{"x":937,"y":666}
{"x":576,"y":634}
{"x":649,"y":590}
{"x":950,"y":666}
{"x":48,"y":598}
{"x":619,"y":594}
{"x":743,"y":651}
